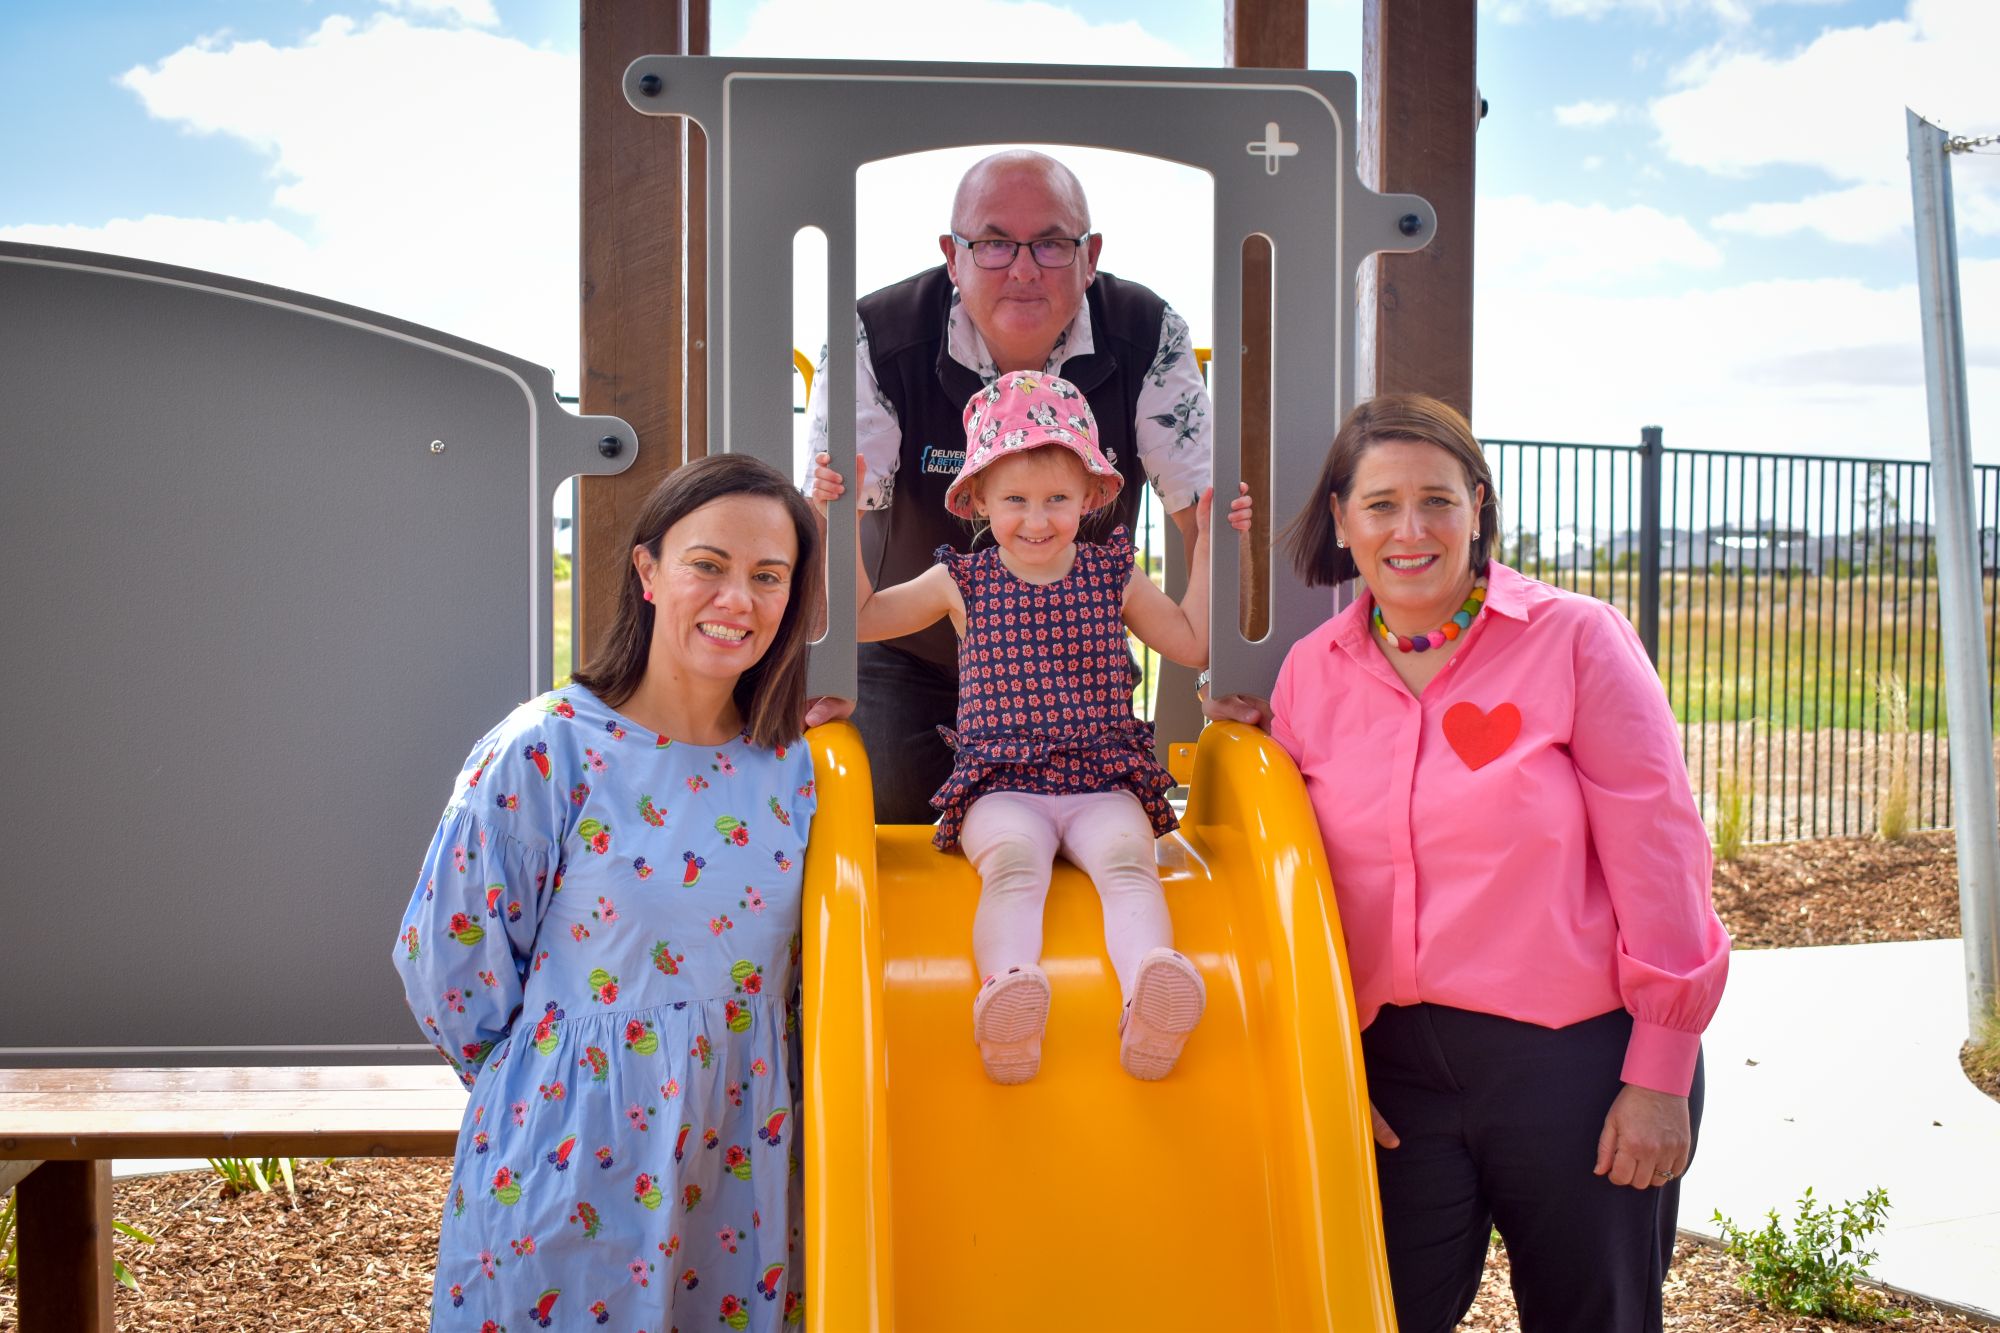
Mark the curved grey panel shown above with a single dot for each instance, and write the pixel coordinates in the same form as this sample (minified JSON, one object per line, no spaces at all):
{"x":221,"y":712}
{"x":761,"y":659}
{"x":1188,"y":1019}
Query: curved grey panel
{"x":272,"y":565}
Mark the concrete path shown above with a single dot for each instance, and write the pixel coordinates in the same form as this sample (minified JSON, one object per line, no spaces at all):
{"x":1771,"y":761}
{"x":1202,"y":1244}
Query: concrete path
{"x":1837,"y":1068}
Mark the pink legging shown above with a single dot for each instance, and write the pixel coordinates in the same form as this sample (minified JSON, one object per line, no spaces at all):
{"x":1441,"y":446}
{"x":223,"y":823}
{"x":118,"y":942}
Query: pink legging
{"x":1012,"y":838}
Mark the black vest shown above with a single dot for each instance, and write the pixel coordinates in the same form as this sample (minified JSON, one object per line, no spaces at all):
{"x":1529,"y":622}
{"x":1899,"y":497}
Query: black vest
{"x":913,"y":366}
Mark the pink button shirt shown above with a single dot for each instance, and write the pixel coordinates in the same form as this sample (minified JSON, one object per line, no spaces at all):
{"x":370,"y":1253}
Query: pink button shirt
{"x":1521,"y":839}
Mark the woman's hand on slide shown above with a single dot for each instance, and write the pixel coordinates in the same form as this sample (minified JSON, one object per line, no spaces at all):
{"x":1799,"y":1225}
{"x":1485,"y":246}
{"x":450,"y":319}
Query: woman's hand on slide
{"x":1385,"y":1137}
{"x":1246,"y":708}
{"x":827,"y":485}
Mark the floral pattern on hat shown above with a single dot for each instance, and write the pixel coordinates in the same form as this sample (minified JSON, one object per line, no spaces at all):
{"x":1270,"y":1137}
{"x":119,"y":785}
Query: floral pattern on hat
{"x":1023,"y":410}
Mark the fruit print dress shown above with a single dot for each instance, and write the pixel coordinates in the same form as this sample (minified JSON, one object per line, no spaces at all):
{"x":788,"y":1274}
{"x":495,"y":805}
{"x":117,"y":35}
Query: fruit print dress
{"x":604,"y":943}
{"x":1045,"y":683}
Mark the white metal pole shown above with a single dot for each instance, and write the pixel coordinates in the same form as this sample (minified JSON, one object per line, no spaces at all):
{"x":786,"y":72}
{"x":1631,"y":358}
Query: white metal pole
{"x":1967,"y":705}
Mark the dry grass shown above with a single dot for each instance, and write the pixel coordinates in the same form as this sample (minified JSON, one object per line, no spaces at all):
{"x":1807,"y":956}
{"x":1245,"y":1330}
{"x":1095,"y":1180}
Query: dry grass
{"x":1981,"y":1056}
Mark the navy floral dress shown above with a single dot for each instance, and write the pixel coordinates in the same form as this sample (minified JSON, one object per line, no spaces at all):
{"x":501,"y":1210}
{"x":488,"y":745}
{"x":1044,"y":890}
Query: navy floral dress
{"x":603,"y":942}
{"x":1045,"y":686}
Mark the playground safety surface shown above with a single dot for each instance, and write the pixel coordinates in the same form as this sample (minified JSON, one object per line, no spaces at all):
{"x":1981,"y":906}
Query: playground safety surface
{"x":357,"y":1250}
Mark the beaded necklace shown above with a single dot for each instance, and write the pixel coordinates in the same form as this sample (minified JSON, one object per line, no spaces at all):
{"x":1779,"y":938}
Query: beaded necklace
{"x":1443,"y":634}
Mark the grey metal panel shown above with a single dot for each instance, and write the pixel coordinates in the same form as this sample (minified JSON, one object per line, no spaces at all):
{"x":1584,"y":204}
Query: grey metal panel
{"x":786,"y":137}
{"x":253,"y":620}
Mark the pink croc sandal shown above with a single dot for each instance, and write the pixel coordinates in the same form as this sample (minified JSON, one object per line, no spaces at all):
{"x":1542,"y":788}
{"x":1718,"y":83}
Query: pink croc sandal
{"x":1007,"y":1022}
{"x":1168,"y":998}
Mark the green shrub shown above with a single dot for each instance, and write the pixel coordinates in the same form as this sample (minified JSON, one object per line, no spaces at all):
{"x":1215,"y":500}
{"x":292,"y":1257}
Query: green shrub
{"x":1815,"y":1269}
{"x":562,"y":567}
{"x":240,"y":1175}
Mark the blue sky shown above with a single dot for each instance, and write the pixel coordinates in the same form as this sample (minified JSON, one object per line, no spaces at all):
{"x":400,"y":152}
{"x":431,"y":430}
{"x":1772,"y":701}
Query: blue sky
{"x":1690,"y":211}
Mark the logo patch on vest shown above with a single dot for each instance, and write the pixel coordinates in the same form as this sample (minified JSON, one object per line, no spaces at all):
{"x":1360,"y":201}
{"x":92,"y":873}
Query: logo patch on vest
{"x":943,"y":462}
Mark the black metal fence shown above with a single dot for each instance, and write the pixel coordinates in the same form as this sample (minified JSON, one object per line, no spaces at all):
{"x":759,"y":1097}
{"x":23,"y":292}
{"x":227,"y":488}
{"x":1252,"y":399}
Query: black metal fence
{"x":1790,"y":603}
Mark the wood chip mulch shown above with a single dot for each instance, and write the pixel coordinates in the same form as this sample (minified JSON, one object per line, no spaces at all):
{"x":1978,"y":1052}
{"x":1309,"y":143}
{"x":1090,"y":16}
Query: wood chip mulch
{"x":356,"y":1251}
{"x":1840,"y":891}
{"x":1701,"y":1293}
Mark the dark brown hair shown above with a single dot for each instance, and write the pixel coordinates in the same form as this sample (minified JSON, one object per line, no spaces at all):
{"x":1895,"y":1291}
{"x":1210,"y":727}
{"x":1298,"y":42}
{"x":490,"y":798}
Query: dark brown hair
{"x":1389,"y":416}
{"x":772,"y":694}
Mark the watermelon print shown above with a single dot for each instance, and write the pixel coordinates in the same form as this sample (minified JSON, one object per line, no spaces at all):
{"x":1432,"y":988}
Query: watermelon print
{"x":561,"y":1186}
{"x":1045,"y":688}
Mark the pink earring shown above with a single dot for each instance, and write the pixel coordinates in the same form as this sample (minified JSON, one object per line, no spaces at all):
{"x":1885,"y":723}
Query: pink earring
{"x":648,"y":594}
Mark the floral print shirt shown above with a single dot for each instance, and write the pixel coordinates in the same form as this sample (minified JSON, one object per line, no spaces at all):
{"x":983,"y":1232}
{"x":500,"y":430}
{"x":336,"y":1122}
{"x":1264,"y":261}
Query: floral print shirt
{"x":1174,"y":431}
{"x":603,"y":941}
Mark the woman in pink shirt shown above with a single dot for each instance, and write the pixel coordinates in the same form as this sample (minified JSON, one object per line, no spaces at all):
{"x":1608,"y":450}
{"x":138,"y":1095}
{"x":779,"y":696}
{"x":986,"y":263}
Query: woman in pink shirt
{"x":1523,"y":882}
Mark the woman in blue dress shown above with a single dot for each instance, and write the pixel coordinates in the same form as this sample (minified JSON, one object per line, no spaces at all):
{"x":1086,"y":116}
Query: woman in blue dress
{"x":604,"y":942}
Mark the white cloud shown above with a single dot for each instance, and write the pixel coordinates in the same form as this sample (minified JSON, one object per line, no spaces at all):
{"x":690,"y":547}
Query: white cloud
{"x":1836,"y":106}
{"x":1586,"y":115}
{"x":1816,"y":365}
{"x":1532,"y":245}
{"x":1860,"y":214}
{"x":1727,"y":11}
{"x":429,"y":172}
{"x":477,"y":12}
{"x":968,"y":30}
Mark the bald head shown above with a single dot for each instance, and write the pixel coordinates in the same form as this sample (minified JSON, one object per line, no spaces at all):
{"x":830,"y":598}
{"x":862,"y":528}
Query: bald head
{"x":1021,"y":308}
{"x":992,"y":179}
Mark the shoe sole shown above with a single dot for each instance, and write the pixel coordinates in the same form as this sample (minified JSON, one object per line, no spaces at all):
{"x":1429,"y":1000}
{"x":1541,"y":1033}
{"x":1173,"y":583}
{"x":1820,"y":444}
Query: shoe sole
{"x":1168,"y":1000}
{"x":1008,"y":1023}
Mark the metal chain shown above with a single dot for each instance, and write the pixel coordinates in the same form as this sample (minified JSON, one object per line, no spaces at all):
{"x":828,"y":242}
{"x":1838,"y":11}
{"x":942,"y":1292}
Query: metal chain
{"x":1963,"y":144}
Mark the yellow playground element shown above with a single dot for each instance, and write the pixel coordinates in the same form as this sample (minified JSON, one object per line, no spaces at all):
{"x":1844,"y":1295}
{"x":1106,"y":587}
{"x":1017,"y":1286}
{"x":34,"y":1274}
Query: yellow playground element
{"x":1239,"y":1193}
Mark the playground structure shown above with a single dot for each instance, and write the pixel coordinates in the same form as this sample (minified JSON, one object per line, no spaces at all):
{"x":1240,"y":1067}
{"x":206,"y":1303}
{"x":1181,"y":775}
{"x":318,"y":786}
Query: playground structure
{"x":934,"y":1198}
{"x":942,"y":1200}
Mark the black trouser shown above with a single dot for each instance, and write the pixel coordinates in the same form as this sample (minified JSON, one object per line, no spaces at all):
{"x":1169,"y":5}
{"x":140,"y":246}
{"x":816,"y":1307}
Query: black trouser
{"x":904,"y":700}
{"x":1499,"y":1122}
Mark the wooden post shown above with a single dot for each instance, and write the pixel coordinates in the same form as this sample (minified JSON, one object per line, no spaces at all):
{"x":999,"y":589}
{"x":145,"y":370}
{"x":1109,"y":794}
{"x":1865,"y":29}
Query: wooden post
{"x":694,"y":258}
{"x":1259,"y":34}
{"x":63,"y":1230}
{"x":1419,"y":112}
{"x":635,"y":283}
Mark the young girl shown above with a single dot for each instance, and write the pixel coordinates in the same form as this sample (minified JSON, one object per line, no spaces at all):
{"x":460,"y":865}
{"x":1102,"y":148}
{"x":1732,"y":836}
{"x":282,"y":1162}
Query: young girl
{"x":1050,"y":757}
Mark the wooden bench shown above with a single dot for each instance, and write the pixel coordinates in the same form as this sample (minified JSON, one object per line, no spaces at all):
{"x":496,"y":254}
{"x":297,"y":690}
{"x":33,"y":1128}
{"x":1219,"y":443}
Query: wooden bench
{"x":60,"y":1129}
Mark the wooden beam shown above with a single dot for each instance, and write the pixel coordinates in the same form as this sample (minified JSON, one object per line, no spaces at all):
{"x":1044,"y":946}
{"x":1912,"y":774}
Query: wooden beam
{"x":1264,"y":34}
{"x":1259,"y":34}
{"x":1419,"y":112}
{"x":634,"y":283}
{"x":694,"y":256}
{"x":63,"y":1231}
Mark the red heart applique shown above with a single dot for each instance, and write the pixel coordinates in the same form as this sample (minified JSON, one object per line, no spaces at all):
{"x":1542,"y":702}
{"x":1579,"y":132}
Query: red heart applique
{"x":1481,"y":737}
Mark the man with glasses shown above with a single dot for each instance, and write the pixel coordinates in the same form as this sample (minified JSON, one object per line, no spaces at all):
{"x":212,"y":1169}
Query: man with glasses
{"x":1019,"y":289}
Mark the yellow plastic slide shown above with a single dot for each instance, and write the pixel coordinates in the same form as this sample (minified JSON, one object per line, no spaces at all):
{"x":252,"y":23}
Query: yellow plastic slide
{"x":1236,"y":1194}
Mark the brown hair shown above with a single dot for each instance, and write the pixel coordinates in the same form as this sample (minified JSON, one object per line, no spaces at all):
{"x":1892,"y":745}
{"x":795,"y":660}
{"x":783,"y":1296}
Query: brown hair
{"x":771,"y":695}
{"x":1389,"y":416}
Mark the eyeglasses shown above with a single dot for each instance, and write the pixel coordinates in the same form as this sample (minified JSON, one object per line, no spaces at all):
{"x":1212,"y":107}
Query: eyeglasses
{"x":1049,"y":252}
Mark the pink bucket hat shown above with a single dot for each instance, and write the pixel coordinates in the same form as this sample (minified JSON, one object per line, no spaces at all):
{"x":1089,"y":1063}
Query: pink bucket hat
{"x":1025,"y":409}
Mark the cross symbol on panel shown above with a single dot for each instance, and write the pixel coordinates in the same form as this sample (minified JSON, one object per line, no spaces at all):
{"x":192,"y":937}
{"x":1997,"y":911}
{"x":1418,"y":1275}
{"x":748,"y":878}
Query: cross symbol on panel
{"x":1271,"y":149}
